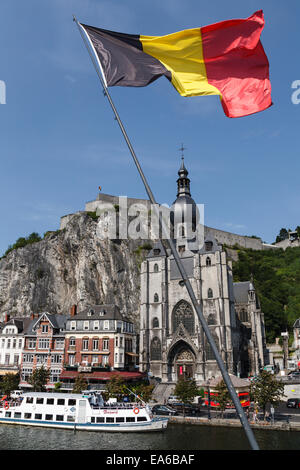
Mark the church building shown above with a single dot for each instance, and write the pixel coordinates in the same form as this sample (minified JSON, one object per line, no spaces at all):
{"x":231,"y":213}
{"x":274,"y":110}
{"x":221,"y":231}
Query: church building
{"x":172,"y":341}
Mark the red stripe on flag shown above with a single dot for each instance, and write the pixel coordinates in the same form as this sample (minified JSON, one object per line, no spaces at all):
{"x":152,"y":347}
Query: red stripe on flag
{"x":236,"y":64}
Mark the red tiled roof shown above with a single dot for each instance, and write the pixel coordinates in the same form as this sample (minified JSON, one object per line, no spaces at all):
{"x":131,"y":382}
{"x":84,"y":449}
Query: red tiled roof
{"x":101,"y":375}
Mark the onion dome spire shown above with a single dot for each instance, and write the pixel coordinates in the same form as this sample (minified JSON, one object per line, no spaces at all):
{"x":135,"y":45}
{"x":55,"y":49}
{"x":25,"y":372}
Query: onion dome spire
{"x":183,"y":182}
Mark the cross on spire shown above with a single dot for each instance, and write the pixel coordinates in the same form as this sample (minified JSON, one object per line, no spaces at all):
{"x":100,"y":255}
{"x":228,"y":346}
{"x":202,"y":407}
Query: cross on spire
{"x":182,"y":148}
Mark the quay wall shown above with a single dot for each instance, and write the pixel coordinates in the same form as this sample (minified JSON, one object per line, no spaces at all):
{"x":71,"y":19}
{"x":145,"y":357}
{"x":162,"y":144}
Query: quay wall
{"x":227,"y":422}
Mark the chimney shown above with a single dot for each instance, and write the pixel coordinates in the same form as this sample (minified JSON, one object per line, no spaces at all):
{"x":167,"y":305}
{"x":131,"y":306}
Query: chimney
{"x":6,"y":318}
{"x":73,"y":310}
{"x":32,"y":316}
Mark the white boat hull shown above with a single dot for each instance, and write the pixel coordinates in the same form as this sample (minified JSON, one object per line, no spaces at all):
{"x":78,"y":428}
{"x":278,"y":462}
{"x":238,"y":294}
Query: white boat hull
{"x":157,"y":424}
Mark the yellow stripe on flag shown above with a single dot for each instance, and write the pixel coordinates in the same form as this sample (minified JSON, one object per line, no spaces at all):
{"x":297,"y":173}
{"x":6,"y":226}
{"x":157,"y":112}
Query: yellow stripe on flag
{"x":182,"y":54}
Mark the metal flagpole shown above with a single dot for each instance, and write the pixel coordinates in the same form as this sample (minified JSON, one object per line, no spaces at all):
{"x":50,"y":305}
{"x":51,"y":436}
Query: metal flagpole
{"x":226,"y":377}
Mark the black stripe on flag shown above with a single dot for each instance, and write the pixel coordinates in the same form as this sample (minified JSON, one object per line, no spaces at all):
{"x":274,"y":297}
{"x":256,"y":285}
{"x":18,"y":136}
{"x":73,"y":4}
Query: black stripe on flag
{"x":122,"y":58}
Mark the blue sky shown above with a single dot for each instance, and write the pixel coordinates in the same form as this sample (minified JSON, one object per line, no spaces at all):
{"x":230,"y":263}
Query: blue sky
{"x":59,"y":140}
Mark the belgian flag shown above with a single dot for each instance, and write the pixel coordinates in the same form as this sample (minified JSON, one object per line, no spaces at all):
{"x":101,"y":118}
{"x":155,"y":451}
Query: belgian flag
{"x":225,"y":59}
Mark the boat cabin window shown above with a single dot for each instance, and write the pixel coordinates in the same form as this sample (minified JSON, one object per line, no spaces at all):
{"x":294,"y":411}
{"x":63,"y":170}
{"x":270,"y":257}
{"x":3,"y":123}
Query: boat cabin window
{"x":71,"y":418}
{"x":29,"y":399}
{"x":130,"y":420}
{"x":120,"y":420}
{"x":27,"y":415}
{"x":71,"y":402}
{"x":60,"y":401}
{"x":110,"y":420}
{"x":7,"y":414}
{"x":97,"y":420}
{"x":49,"y":417}
{"x":17,"y":415}
{"x":141,"y":418}
{"x":39,"y":401}
{"x":50,"y":401}
{"x":37,"y":416}
{"x":59,"y":417}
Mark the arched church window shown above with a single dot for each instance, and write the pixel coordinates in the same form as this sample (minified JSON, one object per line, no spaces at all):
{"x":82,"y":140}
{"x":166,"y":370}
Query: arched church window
{"x":243,"y":315}
{"x":155,"y":349}
{"x":183,"y":313}
{"x":208,"y":261}
{"x":211,"y":319}
{"x":155,"y":323}
{"x":156,"y":268}
{"x":156,"y":298}
{"x":209,"y":354}
{"x":210,"y":293}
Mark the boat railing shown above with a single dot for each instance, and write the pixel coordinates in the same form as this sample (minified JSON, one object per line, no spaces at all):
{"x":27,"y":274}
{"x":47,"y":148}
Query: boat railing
{"x":119,"y":406}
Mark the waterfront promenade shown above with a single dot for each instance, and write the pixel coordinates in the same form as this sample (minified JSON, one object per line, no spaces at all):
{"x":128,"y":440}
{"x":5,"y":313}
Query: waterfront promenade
{"x":282,"y":423}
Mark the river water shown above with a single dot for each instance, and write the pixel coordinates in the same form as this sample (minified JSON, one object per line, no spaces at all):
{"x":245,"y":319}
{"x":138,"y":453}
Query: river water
{"x":176,"y":437}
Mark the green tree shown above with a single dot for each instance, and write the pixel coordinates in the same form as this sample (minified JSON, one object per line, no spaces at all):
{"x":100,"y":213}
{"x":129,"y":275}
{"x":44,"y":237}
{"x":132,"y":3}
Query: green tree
{"x":39,"y":379}
{"x":9,"y":383}
{"x":223,"y":397}
{"x":116,"y":387}
{"x":283,"y":235}
{"x":57,"y":386}
{"x":186,"y":390}
{"x":265,"y":389}
{"x":142,"y":390}
{"x":79,"y":384}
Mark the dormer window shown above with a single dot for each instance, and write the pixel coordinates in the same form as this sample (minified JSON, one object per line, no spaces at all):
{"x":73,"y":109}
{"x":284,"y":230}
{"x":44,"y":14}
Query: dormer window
{"x":44,"y":328}
{"x":90,"y":313}
{"x":156,"y":251}
{"x":86,"y":325}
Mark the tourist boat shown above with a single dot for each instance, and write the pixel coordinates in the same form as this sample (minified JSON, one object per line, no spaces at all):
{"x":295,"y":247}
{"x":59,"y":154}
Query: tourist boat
{"x":77,"y":412}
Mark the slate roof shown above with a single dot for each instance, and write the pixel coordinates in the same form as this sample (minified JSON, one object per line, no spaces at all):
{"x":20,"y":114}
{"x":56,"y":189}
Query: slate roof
{"x":111,"y":312}
{"x":240,"y":290}
{"x":237,"y":382}
{"x":58,"y":322}
{"x":20,"y":323}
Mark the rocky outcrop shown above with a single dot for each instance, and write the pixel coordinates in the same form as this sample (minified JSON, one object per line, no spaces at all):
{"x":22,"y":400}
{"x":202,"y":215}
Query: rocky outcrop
{"x":72,"y":266}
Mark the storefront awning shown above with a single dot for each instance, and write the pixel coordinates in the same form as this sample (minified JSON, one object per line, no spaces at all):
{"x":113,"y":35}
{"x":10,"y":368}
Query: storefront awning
{"x":105,"y":376}
{"x":7,"y":371}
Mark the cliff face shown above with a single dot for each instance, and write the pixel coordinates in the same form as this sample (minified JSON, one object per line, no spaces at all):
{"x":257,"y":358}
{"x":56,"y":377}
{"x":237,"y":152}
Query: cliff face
{"x":72,"y":266}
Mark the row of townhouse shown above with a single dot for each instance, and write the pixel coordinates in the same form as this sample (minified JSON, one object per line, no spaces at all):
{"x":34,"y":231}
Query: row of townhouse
{"x":97,"y":343}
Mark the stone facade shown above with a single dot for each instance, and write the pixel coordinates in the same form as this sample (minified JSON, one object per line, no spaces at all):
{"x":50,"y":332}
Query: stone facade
{"x":172,"y":341}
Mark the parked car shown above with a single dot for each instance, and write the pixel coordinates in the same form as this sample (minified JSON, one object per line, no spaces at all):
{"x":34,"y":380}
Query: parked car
{"x":16,"y":394}
{"x":163,"y":410}
{"x":187,"y":408}
{"x":294,"y":375}
{"x":293,"y":403}
{"x":172,"y":399}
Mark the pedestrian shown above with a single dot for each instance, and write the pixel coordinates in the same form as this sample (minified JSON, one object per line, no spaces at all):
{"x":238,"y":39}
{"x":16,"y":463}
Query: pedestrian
{"x":272,"y":413}
{"x":255,"y":415}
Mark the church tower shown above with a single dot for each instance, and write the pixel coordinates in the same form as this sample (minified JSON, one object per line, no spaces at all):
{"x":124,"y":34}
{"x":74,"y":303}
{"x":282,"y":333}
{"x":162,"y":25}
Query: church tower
{"x":172,"y":341}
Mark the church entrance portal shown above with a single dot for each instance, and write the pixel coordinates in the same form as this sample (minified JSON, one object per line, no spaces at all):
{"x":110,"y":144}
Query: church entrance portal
{"x":181,"y":362}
